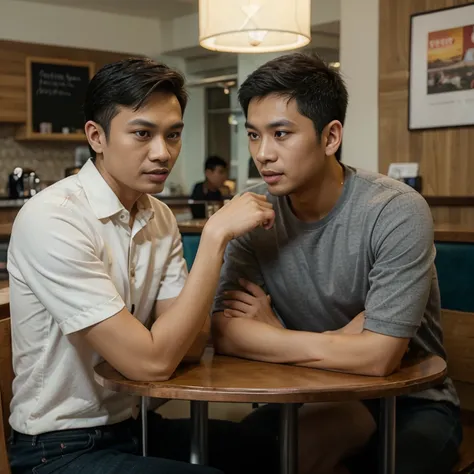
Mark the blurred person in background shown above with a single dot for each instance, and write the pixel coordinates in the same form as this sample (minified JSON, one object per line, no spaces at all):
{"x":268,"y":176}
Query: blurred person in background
{"x":212,"y":188}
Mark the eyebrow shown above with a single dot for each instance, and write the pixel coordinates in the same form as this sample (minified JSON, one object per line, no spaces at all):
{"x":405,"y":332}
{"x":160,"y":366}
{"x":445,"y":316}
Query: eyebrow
{"x":275,"y":124}
{"x":148,"y":124}
{"x":177,"y":125}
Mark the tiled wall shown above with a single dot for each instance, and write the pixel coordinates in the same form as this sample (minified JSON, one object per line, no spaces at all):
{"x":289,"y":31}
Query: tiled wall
{"x":49,"y":160}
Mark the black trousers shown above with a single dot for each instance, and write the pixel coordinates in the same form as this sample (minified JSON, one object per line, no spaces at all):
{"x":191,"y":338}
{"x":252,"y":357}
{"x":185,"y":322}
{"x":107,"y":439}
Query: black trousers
{"x":428,"y":436}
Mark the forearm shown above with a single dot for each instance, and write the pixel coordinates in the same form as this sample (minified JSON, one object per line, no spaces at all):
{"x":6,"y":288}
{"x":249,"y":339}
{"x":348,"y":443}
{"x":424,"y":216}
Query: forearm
{"x":366,"y":353}
{"x":246,"y":338}
{"x":353,"y":353}
{"x":197,"y":348}
{"x":175,"y":330}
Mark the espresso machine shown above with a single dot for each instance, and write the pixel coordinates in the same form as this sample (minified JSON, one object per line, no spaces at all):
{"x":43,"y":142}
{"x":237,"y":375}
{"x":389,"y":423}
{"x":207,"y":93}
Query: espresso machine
{"x":23,"y":183}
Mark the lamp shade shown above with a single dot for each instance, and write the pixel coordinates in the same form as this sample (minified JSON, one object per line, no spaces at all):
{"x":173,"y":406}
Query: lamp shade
{"x":254,"y":26}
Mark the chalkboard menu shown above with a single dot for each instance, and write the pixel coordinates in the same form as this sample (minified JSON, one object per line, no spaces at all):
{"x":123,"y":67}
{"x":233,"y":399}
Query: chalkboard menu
{"x":56,"y":92}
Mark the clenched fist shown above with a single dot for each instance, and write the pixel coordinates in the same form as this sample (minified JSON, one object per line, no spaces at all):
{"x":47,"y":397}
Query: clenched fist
{"x":241,"y":215}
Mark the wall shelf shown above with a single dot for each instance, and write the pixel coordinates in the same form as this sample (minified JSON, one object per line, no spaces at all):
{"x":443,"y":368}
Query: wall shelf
{"x":449,"y":201}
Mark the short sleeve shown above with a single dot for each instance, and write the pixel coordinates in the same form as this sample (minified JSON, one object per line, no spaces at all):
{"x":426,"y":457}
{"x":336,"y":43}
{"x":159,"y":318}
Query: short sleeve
{"x":175,"y":272}
{"x":239,"y":262}
{"x":54,"y":252}
{"x":402,"y":274}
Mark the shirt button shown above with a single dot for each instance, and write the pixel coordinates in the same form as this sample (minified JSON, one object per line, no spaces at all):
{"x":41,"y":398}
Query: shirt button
{"x":132,"y":273}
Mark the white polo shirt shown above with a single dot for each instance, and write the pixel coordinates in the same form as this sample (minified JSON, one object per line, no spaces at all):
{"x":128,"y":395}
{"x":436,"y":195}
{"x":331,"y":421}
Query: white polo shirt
{"x":73,"y":262}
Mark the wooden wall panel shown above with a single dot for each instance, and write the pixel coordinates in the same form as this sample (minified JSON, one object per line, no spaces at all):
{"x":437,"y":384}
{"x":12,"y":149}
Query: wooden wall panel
{"x":458,"y":328}
{"x":13,"y":67}
{"x":445,"y":156}
{"x":459,"y":215}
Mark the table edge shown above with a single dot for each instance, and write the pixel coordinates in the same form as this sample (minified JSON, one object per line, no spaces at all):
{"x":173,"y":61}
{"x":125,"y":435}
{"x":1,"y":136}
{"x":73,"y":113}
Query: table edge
{"x":285,"y":395}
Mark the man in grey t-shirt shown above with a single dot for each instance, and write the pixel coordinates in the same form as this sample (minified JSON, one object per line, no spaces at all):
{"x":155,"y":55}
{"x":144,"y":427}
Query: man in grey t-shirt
{"x":345,"y":279}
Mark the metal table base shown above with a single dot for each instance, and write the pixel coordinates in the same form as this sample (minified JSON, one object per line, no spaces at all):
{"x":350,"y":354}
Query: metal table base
{"x":387,"y":435}
{"x":288,"y":434}
{"x":144,"y":413}
{"x":199,"y":422}
{"x":289,"y":439}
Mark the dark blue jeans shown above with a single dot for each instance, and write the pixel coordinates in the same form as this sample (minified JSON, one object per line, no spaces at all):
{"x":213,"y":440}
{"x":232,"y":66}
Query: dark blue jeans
{"x":116,"y":449}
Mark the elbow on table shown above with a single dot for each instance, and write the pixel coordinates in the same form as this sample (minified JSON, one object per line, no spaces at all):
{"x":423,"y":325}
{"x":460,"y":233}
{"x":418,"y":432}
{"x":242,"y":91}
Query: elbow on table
{"x":222,"y":344}
{"x":382,"y":367}
{"x":381,"y":355}
{"x":149,"y":371}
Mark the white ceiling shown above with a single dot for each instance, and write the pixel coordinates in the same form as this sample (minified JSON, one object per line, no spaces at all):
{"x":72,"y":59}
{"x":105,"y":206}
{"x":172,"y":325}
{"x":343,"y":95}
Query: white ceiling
{"x":163,"y":9}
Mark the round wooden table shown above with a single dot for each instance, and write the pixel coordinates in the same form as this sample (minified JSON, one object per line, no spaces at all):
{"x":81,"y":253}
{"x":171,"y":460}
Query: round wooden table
{"x":228,"y":379}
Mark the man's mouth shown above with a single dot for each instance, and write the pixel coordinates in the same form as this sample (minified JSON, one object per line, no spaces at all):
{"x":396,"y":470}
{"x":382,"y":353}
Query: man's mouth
{"x":158,"y":175}
{"x":271,"y":177}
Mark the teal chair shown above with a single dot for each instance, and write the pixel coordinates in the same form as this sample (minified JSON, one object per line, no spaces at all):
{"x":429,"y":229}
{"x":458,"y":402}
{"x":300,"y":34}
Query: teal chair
{"x":190,"y":247}
{"x":455,"y":268}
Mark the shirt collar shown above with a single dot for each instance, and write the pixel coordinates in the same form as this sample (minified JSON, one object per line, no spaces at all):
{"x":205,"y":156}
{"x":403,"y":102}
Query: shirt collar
{"x":145,"y":209}
{"x":103,"y":200}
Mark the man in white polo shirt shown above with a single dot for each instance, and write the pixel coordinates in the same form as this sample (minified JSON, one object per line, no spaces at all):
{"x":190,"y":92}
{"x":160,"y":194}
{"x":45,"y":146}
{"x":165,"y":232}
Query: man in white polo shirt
{"x":96,"y":271}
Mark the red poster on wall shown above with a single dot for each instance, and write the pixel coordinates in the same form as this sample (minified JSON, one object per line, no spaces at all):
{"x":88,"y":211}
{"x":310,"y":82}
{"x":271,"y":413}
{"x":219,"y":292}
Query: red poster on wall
{"x":451,"y":60}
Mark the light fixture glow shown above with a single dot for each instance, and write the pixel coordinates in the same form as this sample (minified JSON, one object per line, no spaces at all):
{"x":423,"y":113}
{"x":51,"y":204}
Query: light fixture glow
{"x":254,"y":26}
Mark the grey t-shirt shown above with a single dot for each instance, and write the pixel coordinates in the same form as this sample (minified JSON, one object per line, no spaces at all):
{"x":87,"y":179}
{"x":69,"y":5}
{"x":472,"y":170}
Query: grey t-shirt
{"x":374,"y":251}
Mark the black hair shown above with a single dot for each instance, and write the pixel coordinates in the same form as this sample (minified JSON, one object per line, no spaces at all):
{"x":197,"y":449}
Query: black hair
{"x":319,"y":90}
{"x":129,"y":83}
{"x":213,"y":161}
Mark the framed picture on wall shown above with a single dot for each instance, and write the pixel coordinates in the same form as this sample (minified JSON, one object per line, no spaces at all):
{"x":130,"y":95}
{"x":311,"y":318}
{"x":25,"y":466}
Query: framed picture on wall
{"x":441,"y":88}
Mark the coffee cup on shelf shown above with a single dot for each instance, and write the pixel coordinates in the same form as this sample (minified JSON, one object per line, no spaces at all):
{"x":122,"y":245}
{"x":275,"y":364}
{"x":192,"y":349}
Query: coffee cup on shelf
{"x":46,"y":127}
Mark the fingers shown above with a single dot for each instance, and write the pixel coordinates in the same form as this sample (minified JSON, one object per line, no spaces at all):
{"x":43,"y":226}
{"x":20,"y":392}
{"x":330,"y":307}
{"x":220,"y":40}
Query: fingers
{"x":263,"y":208}
{"x":237,"y":305}
{"x":239,"y":296}
{"x":245,"y":213}
{"x":252,"y":288}
{"x":269,"y":219}
{"x":259,"y":199}
{"x":265,"y":216}
{"x":232,"y":313}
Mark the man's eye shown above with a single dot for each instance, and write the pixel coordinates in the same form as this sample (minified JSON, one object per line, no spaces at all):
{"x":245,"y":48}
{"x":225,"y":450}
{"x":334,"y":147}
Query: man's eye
{"x":280,"y":134}
{"x":174,"y":135}
{"x":142,"y":133}
{"x":252,"y":135}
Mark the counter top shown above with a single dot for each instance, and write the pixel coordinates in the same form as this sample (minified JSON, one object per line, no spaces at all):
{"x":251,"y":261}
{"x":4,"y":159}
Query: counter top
{"x":14,"y":203}
{"x":169,"y":200}
{"x":442,"y":233}
{"x":193,"y":226}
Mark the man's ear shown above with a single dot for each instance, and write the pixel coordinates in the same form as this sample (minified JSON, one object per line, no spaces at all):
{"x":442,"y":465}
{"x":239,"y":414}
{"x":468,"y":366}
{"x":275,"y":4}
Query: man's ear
{"x":333,"y":137}
{"x":95,"y":136}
